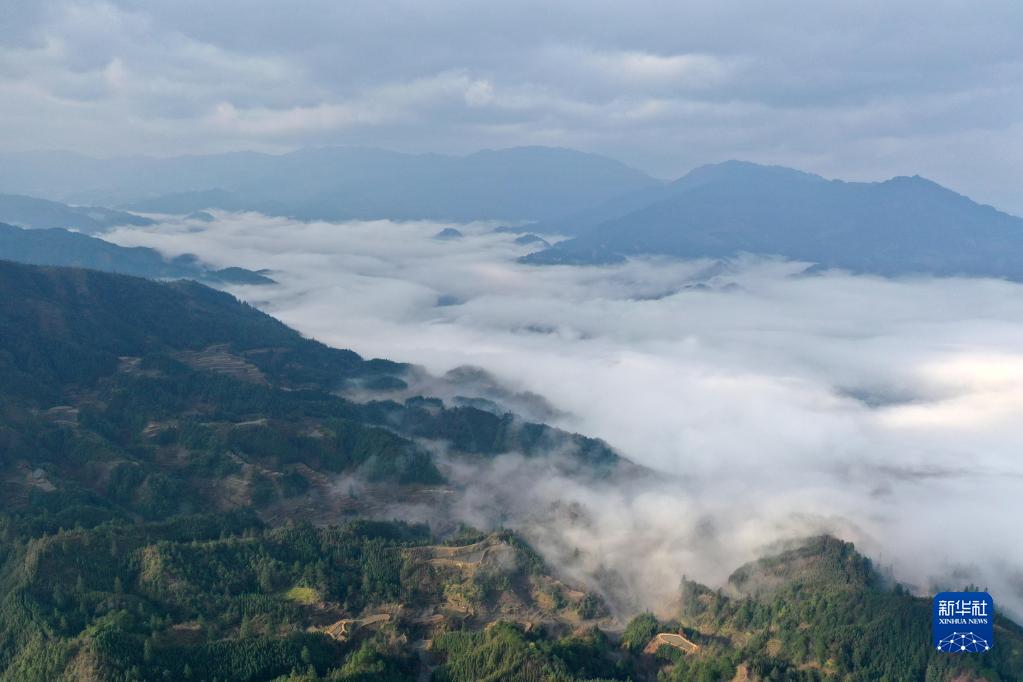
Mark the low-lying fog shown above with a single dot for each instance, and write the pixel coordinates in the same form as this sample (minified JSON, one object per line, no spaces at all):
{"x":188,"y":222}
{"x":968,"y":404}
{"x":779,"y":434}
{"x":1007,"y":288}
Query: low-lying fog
{"x":885,"y":411}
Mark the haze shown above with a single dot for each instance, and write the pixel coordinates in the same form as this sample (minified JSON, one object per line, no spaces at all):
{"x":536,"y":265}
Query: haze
{"x":858,"y":91}
{"x":780,"y":403}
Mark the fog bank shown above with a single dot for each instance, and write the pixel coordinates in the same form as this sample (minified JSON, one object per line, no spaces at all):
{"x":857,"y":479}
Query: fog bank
{"x":775,"y":403}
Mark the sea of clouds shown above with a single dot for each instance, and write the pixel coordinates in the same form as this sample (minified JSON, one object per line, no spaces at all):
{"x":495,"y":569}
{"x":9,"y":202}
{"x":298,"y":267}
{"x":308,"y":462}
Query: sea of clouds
{"x":773,"y":403}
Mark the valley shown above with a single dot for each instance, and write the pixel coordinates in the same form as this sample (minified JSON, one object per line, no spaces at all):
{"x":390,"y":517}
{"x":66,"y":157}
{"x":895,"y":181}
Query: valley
{"x":510,"y":342}
{"x":204,"y":505}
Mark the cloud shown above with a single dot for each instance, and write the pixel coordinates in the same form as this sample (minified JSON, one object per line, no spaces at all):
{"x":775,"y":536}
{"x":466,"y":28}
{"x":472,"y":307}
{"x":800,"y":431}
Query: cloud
{"x":844,"y":91}
{"x":639,"y":69}
{"x":771,"y":404}
{"x":263,"y":121}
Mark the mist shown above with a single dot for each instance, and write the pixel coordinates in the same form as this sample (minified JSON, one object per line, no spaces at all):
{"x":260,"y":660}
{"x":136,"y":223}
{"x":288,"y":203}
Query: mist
{"x":769,"y":401}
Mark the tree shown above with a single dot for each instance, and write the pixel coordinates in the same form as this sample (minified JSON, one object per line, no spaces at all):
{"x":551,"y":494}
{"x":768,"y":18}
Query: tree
{"x":639,"y":631}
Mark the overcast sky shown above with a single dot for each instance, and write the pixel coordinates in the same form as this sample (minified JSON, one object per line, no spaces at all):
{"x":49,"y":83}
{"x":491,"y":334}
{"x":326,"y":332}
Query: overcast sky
{"x":858,"y":90}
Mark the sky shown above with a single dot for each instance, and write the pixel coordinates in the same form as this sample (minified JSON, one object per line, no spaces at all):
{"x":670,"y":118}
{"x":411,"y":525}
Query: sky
{"x":771,"y":406}
{"x":855,"y":90}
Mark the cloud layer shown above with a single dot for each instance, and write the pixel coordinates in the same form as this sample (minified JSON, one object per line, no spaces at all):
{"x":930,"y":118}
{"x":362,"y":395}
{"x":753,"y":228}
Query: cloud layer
{"x":775,"y":404}
{"x":848,"y":90}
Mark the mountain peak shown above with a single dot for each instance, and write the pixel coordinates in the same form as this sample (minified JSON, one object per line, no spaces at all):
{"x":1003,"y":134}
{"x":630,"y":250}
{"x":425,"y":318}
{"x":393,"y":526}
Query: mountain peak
{"x":905,"y":225}
{"x":735,"y":170}
{"x":822,"y":559}
{"x":915,"y":182}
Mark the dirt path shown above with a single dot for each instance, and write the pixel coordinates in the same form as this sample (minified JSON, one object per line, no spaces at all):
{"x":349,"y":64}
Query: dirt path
{"x":342,"y":629}
{"x":672,"y":639}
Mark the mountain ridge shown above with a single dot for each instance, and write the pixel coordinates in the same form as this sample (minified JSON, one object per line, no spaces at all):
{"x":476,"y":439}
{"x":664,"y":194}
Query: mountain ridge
{"x":903,"y":225}
{"x":517,"y":183}
{"x":34,"y":213}
{"x":60,"y":247}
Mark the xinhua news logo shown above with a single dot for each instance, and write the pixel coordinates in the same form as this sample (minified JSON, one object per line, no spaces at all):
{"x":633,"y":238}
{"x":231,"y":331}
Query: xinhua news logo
{"x":964,"y":622}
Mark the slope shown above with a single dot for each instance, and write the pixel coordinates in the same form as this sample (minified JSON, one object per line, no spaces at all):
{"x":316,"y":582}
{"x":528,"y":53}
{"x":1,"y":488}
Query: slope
{"x":40,"y":214}
{"x":900,"y":226}
{"x":56,"y":246}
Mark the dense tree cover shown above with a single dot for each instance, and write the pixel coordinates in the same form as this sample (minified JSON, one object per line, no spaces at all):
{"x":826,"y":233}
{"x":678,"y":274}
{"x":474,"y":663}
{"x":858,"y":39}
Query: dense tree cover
{"x":192,"y":369}
{"x":211,"y":593}
{"x":639,"y":631}
{"x":225,"y":596}
{"x":505,"y":652}
{"x":68,"y":326}
{"x":821,"y":610}
{"x":147,"y":461}
{"x":478,"y":431}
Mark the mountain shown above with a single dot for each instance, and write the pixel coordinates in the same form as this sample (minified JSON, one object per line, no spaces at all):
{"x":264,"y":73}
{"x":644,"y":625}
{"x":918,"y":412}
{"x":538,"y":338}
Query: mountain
{"x":824,"y":612}
{"x":905,"y":225}
{"x":192,"y":203}
{"x":531,"y":239}
{"x":154,"y":439}
{"x":523,"y":183}
{"x":39,"y":213}
{"x":186,"y":352}
{"x":61,"y":247}
{"x":186,"y":493}
{"x":575,"y":223}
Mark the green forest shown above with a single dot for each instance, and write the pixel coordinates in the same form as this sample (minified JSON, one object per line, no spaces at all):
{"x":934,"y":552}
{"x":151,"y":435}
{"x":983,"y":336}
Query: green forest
{"x":170,"y":510}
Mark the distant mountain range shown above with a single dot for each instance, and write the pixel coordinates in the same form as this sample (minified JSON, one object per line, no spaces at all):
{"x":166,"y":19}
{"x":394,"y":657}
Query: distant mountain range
{"x":900,"y":226}
{"x":61,"y":247}
{"x":524,"y":183}
{"x":904,"y":225}
{"x":36,"y":213}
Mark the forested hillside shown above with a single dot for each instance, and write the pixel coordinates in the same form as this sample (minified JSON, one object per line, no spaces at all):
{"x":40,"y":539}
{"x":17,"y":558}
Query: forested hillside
{"x":186,"y":493}
{"x":58,"y":246}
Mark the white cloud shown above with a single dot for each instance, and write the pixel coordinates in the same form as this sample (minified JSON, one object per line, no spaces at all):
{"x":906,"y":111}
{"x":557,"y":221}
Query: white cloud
{"x":263,"y":121}
{"x":640,"y":69}
{"x":479,"y":93}
{"x":662,"y":86}
{"x":775,"y":405}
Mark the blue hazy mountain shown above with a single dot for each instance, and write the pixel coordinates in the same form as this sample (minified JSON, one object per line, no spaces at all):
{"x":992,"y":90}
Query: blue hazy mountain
{"x":530,"y":239}
{"x":523,"y":183}
{"x":55,"y":246}
{"x":899,"y":226}
{"x":575,"y":223}
{"x":36,"y":213}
